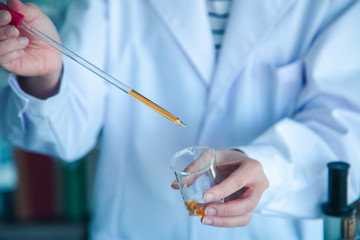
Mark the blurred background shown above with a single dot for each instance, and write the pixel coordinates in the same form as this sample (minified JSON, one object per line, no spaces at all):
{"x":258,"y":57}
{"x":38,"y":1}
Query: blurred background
{"x":42,"y":197}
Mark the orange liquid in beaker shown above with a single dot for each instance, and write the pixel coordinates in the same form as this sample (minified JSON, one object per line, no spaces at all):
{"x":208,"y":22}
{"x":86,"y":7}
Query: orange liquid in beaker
{"x":197,"y":208}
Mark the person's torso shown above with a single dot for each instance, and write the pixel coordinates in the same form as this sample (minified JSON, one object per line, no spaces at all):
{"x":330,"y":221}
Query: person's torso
{"x":164,"y":50}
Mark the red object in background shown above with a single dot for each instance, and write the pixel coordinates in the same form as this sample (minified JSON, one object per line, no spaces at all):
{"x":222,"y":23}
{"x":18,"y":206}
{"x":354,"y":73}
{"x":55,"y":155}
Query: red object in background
{"x":36,"y":190}
{"x":41,"y":186}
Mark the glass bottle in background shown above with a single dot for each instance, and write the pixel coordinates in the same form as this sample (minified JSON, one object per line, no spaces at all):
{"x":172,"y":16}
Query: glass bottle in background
{"x":339,"y":216}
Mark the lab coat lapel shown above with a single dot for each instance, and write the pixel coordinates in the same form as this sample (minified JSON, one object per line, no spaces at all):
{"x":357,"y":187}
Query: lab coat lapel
{"x":249,"y":23}
{"x":188,"y":21}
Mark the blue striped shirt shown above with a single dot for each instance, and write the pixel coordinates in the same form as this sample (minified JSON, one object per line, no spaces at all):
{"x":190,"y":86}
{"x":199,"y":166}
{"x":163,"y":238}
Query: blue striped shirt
{"x":218,"y":14}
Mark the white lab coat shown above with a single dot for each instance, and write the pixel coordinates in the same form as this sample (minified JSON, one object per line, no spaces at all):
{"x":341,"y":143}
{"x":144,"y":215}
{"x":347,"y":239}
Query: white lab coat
{"x":285,"y":90}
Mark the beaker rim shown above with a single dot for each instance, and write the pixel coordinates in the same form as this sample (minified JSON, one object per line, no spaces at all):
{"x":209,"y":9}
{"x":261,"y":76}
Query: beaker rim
{"x":188,"y":149}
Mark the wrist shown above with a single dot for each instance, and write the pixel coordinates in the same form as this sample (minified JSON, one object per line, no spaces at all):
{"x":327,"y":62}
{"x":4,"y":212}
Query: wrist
{"x":41,"y":87}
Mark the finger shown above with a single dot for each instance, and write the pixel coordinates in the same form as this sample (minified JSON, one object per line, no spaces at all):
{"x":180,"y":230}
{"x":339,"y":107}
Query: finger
{"x":227,"y":187}
{"x":175,"y":185}
{"x":29,"y":10}
{"x":5,"y":17}
{"x":234,"y":182}
{"x":11,"y":50}
{"x":6,"y":60}
{"x":236,"y":207}
{"x":8,"y":31}
{"x":236,"y":221}
{"x":10,"y":45}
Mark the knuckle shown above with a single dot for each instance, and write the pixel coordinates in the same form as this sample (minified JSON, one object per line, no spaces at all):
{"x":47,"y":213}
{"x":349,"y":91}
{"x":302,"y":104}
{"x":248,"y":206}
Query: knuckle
{"x":246,"y":219}
{"x":228,"y":211}
{"x":257,"y":166}
{"x":5,"y":46}
{"x":251,"y":206}
{"x":221,"y":222}
{"x":32,"y":5}
{"x":244,"y":222}
{"x":9,"y":49}
{"x":6,"y":60}
{"x":8,"y":31}
{"x":264,"y":183}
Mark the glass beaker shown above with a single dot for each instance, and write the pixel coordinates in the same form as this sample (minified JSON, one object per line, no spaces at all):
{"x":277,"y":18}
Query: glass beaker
{"x":195,"y":172}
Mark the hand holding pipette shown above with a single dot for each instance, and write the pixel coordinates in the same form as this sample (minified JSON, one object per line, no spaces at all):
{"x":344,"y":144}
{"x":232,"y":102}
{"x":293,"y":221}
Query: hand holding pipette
{"x":17,"y":20}
{"x":25,"y":55}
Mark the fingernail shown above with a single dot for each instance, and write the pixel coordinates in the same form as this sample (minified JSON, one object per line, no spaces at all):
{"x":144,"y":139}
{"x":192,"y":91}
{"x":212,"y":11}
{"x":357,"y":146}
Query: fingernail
{"x":207,"y":221}
{"x":23,"y":40}
{"x":210,"y":211}
{"x":11,"y":31}
{"x":208,"y":197}
{"x":4,"y":16}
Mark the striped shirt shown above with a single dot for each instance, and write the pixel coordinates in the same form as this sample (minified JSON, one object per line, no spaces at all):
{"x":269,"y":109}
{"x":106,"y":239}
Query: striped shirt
{"x":219,"y":14}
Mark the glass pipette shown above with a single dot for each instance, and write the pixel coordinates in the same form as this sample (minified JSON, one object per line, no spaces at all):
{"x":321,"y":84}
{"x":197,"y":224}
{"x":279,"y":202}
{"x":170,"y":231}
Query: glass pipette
{"x":17,"y":21}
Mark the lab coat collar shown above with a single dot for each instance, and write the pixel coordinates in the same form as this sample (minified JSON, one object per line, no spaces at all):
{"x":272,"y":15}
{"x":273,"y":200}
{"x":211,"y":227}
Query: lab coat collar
{"x":244,"y":31}
{"x":188,"y":22}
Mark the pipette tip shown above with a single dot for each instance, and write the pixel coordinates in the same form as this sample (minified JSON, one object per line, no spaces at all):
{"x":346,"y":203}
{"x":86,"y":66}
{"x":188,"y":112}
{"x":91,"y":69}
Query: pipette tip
{"x":180,"y":122}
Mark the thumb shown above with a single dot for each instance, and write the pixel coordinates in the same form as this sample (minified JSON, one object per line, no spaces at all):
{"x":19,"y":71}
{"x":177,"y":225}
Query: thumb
{"x":175,"y":185}
{"x":29,"y":10}
{"x":17,"y":6}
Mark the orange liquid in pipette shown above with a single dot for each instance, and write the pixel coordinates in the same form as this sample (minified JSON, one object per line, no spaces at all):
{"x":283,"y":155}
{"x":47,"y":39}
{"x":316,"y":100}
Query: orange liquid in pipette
{"x":156,"y":107}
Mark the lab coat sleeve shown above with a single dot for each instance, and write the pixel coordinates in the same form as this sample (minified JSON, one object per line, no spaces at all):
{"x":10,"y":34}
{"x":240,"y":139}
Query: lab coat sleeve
{"x":67,"y":124}
{"x":295,"y":151}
